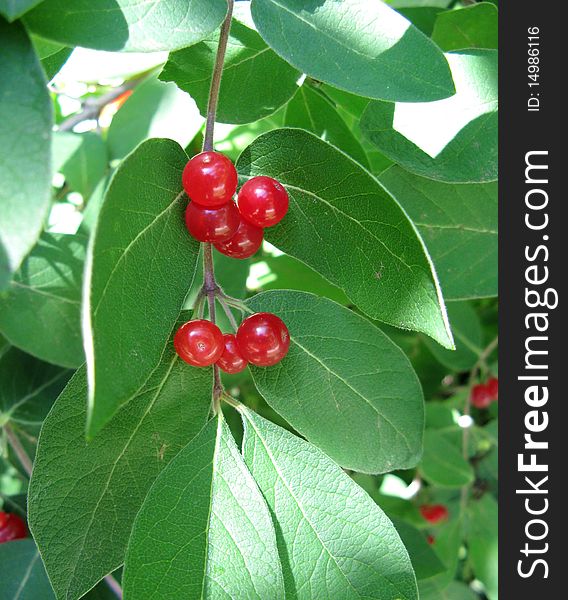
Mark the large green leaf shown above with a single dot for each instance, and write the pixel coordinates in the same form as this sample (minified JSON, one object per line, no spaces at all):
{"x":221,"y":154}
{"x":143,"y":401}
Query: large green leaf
{"x":133,"y":25}
{"x":452,"y":140}
{"x":13,"y":9}
{"x":25,"y":130}
{"x":256,"y":82}
{"x":343,"y":385}
{"x":41,"y":310}
{"x":483,"y":543}
{"x":343,"y":224}
{"x":334,"y":541}
{"x":362,"y":47}
{"x":474,"y":26}
{"x":458,"y":224}
{"x":140,"y":264}
{"x":443,"y":463}
{"x":204,"y":530}
{"x":154,"y":110}
{"x":83,"y":498}
{"x":311,"y":111}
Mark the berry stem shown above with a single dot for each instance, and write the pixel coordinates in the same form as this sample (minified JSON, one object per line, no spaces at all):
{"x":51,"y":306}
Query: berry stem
{"x":228,"y":312}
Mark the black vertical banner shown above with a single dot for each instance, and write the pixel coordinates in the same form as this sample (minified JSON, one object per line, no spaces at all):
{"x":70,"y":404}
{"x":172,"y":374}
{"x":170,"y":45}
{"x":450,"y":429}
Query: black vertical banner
{"x":533,"y":365}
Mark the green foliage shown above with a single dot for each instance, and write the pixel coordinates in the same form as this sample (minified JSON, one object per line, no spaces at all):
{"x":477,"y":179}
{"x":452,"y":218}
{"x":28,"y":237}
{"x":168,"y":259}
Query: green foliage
{"x":13,"y":9}
{"x":473,"y":27}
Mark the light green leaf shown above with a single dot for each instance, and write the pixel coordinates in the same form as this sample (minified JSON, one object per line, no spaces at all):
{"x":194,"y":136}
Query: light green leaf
{"x":456,"y":590}
{"x":474,"y":26}
{"x":343,"y":224}
{"x":82,"y":158}
{"x":343,"y":385}
{"x":364,"y":48}
{"x":83,"y":498}
{"x":452,"y":140}
{"x":132,"y":25}
{"x":468,"y":335}
{"x":443,"y":463}
{"x":458,"y":224}
{"x":53,"y":63}
{"x":447,"y":544}
{"x":140,"y":264}
{"x":256,"y":82}
{"x":483,"y":543}
{"x":311,"y":111}
{"x":335,"y":542}
{"x":25,"y":130}
{"x":13,"y":9}
{"x":154,"y":110}
{"x":41,"y":310}
{"x":204,"y":530}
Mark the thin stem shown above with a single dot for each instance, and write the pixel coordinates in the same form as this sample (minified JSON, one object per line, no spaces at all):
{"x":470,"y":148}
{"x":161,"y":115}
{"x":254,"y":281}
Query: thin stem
{"x":228,"y":312}
{"x":216,"y":79}
{"x":19,"y":451}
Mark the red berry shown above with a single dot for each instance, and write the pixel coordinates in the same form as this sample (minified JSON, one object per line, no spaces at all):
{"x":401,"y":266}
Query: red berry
{"x":231,"y":360}
{"x":263,"y":339}
{"x":263,"y":201}
{"x":12,"y":527}
{"x":210,"y":179}
{"x":244,"y":243}
{"x":430,"y":539}
{"x":434,"y":513}
{"x":199,"y":343}
{"x":493,"y":388}
{"x":480,"y":397}
{"x":212,"y":224}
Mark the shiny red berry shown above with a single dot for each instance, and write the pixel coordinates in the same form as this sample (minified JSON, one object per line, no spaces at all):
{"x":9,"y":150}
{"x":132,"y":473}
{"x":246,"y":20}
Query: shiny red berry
{"x":492,"y":386}
{"x":199,"y":343}
{"x":434,"y":513}
{"x":210,"y":179}
{"x":480,"y":396}
{"x":263,"y":339}
{"x":263,"y":201}
{"x":244,"y":243}
{"x":231,"y":360}
{"x":12,"y":527}
{"x":212,"y":224}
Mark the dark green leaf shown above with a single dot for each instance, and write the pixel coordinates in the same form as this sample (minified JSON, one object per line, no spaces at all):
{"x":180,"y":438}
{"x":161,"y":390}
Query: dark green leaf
{"x":471,"y":27}
{"x":483,"y":543}
{"x":443,"y":463}
{"x":83,"y":497}
{"x":13,"y":9}
{"x":140,"y":265}
{"x":204,"y":530}
{"x":344,"y":385}
{"x":154,"y":110}
{"x":311,"y":111}
{"x":365,"y":48}
{"x":25,"y":130}
{"x":256,"y":82}
{"x":422,"y":17}
{"x":334,"y":541}
{"x":52,"y":64}
{"x":458,"y":224}
{"x":133,"y":25}
{"x":41,"y":310}
{"x":344,"y":225}
{"x":452,"y":140}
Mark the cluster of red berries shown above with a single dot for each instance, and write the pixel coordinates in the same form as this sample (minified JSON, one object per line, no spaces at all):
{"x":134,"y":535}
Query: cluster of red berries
{"x":236,"y":230}
{"x":483,"y":394}
{"x":11,"y":527}
{"x":434,"y":513}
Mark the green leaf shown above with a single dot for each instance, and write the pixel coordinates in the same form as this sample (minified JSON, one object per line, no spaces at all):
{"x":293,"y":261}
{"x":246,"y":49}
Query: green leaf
{"x":422,"y":17}
{"x":83,"y":498}
{"x":343,"y":385}
{"x":249,"y":65}
{"x":81,"y":158}
{"x":25,"y":130}
{"x":204,"y":530}
{"x":447,"y":544}
{"x":466,"y":327}
{"x":132,"y":25}
{"x":483,"y":543}
{"x":343,"y":224}
{"x":443,"y":463}
{"x":13,"y":9}
{"x":452,"y":140}
{"x":154,"y":110}
{"x":456,"y":590}
{"x":459,"y":226}
{"x":334,"y":541}
{"x":140,"y":265}
{"x":311,"y":111}
{"x":424,"y":560}
{"x":365,"y":48}
{"x":52,"y":64}
{"x":471,"y":27}
{"x":41,"y":310}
